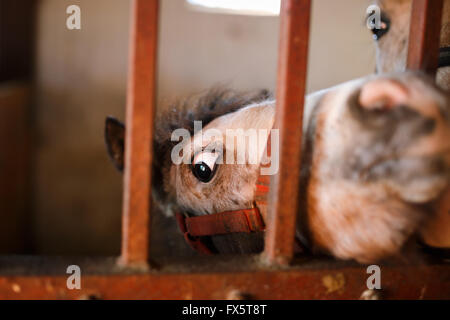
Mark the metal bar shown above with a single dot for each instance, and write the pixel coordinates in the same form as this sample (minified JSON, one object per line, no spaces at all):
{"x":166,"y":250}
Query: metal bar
{"x":401,"y":282}
{"x":424,"y":35}
{"x":15,"y":164}
{"x":139,"y":124}
{"x":17,"y":21}
{"x":291,"y":84}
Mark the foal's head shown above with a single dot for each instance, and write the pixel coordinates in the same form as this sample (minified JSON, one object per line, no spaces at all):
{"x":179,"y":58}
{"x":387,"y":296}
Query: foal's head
{"x":203,"y":171}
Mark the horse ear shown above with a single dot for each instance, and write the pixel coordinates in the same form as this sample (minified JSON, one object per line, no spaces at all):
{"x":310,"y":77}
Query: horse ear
{"x":115,"y":141}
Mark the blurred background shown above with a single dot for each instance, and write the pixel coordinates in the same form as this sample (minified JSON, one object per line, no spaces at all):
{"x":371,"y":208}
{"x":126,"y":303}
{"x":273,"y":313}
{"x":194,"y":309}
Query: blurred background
{"x":59,"y":193}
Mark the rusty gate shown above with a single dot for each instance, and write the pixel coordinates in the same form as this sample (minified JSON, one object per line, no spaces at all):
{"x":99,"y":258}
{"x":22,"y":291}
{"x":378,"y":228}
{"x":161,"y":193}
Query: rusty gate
{"x":275,"y":274}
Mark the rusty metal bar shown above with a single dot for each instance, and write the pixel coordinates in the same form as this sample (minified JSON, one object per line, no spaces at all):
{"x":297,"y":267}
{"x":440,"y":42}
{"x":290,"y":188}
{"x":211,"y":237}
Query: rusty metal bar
{"x":15,"y":164}
{"x":291,"y":84}
{"x":424,"y":35}
{"x":139,"y":124}
{"x":400,"y":282}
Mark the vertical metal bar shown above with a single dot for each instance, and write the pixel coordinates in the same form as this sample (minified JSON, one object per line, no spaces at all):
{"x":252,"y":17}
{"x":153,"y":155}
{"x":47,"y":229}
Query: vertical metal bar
{"x":291,"y":84}
{"x":424,"y":35}
{"x":139,"y":132}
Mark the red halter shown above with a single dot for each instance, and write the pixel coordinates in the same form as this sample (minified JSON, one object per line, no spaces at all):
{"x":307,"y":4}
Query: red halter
{"x":242,"y":220}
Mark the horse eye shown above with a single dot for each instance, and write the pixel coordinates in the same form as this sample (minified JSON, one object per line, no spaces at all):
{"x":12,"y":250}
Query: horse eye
{"x":204,"y":166}
{"x":385,"y":25}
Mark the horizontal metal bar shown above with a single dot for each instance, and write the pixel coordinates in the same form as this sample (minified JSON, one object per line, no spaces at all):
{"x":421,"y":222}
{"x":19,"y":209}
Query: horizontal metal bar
{"x":317,"y":279}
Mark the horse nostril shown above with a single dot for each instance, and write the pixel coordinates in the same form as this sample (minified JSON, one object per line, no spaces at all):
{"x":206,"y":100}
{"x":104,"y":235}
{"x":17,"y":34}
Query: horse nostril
{"x":428,"y":126}
{"x":444,"y":57}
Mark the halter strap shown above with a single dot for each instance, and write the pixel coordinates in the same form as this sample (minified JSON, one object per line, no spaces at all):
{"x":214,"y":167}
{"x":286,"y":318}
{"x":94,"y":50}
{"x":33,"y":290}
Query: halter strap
{"x":194,"y":228}
{"x":245,"y":220}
